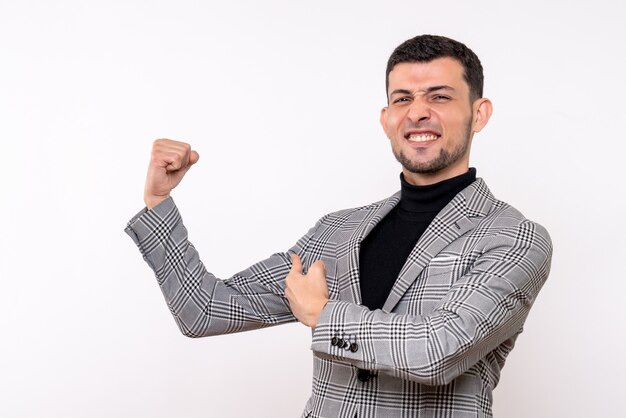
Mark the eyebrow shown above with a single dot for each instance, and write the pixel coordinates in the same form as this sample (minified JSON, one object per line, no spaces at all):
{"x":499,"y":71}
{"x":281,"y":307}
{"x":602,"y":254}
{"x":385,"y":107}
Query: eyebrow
{"x":426,"y":90}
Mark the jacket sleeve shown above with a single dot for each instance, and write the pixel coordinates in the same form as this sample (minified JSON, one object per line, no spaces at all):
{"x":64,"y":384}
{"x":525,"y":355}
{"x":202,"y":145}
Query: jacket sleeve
{"x":484,"y":308}
{"x":202,"y":304}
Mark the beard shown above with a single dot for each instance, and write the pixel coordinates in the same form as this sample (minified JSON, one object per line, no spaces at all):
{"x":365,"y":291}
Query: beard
{"x":444,"y":159}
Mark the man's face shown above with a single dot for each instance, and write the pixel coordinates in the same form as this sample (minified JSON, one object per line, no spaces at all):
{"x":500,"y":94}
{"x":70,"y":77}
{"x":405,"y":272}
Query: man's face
{"x":430,"y":120}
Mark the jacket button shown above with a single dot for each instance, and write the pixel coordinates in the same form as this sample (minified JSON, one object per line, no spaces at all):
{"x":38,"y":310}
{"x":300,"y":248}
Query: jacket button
{"x":354,"y":347}
{"x":340,"y":342}
{"x":334,"y":341}
{"x":364,"y":375}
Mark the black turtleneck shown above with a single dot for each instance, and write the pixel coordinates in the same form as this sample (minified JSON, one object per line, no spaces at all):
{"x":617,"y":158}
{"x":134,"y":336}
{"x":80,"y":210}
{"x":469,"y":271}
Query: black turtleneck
{"x":386,"y":248}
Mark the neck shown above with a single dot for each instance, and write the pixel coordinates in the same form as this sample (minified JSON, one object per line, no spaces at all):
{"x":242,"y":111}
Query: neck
{"x":433,"y":197}
{"x":424,"y":179}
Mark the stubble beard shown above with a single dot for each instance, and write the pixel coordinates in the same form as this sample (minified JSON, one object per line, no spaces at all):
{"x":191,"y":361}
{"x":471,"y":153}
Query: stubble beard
{"x":444,"y":159}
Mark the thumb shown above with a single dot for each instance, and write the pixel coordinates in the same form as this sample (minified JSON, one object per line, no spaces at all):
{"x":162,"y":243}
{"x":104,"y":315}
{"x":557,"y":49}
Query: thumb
{"x":296,"y":263}
{"x":193,"y":158}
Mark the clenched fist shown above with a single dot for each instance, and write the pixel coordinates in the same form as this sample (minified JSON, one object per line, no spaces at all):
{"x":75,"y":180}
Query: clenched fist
{"x":169,"y":162}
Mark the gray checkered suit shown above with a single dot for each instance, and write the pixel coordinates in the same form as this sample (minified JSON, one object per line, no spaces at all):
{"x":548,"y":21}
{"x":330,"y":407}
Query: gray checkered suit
{"x":436,"y":348}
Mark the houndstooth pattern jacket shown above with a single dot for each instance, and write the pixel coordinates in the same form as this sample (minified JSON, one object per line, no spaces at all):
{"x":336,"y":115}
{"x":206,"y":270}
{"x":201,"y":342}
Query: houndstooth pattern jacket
{"x":436,"y":348}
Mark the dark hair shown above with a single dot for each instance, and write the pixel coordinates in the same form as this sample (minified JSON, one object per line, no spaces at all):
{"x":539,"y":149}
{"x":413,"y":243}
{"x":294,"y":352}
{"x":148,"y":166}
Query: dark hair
{"x":425,"y":48}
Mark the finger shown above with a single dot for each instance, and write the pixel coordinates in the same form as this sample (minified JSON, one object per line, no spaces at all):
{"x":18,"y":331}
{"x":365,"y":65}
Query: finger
{"x":172,"y":161}
{"x":177,"y":175}
{"x":180,"y":170}
{"x":168,"y":147}
{"x":296,"y":263}
{"x":193,"y":157}
{"x":290,"y":297}
{"x":183,"y":162}
{"x":318,"y":268}
{"x":164,"y":143}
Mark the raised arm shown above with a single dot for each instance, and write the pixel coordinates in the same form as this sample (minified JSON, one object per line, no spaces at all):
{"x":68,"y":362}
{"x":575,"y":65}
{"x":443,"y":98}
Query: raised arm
{"x":201,"y":303}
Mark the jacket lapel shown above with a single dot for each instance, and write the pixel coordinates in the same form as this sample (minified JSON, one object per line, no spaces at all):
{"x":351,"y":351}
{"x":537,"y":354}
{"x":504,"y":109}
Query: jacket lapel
{"x":355,"y":229}
{"x":452,"y":222}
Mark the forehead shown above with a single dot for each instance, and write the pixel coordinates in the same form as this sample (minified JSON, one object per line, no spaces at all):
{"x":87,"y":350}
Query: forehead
{"x":416,"y":75}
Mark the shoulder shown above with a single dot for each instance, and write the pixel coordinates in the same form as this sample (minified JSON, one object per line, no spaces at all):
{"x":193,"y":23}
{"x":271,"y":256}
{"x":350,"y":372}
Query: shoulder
{"x":504,"y":220}
{"x":361,"y":212}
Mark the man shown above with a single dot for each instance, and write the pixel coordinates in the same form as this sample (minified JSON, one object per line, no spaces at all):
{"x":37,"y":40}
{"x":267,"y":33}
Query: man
{"x":414,"y":301}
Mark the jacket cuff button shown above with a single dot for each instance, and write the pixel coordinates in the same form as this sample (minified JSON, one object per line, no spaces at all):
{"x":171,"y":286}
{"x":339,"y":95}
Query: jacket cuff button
{"x":364,"y":375}
{"x":334,"y":341}
{"x":354,"y":347}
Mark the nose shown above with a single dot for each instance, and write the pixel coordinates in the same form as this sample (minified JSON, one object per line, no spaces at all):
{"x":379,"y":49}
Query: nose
{"x":419,"y":111}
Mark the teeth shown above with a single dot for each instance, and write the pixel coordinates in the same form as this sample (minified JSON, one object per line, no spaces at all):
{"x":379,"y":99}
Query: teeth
{"x":422,"y":138}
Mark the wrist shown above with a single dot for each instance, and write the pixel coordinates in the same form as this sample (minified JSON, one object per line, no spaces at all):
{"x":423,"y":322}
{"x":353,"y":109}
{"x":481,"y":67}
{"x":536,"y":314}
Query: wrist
{"x":319,"y":313}
{"x":152,"y":201}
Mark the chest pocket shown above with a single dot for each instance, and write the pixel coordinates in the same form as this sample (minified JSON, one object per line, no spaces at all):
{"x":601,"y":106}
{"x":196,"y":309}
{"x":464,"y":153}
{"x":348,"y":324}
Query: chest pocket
{"x":433,"y":284}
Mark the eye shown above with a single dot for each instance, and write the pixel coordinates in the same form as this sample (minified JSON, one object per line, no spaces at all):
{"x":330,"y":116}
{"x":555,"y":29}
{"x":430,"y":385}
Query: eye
{"x":401,"y":100}
{"x":441,"y":98}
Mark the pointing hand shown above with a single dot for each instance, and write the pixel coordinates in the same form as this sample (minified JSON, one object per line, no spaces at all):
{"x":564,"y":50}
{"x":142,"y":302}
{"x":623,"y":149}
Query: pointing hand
{"x":307,"y":293}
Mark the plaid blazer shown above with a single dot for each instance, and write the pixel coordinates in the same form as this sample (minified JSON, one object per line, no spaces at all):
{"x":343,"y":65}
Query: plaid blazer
{"x":436,"y":348}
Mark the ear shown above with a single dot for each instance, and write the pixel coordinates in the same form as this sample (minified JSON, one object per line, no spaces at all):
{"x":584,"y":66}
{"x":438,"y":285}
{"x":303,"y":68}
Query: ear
{"x":482,"y":110}
{"x":383,"y":119}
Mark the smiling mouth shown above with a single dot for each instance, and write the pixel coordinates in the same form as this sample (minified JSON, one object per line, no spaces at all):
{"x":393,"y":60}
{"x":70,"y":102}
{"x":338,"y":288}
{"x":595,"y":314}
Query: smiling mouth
{"x":421,"y":137}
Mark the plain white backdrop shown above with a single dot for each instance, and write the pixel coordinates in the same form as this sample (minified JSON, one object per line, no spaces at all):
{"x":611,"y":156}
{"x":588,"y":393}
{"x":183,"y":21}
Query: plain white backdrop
{"x":281,"y":99}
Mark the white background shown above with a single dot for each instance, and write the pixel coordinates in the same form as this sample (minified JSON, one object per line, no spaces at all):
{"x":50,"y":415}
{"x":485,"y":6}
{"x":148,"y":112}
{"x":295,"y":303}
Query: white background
{"x":281,"y":99}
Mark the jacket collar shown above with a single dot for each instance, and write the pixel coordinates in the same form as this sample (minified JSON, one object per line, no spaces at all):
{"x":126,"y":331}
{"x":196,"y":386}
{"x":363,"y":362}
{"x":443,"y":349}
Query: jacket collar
{"x":454,"y":220}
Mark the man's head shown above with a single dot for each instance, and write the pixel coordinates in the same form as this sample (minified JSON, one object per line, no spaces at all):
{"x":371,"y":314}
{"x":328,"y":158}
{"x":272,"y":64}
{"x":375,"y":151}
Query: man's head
{"x":435,"y":105}
{"x":426,"y":48}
